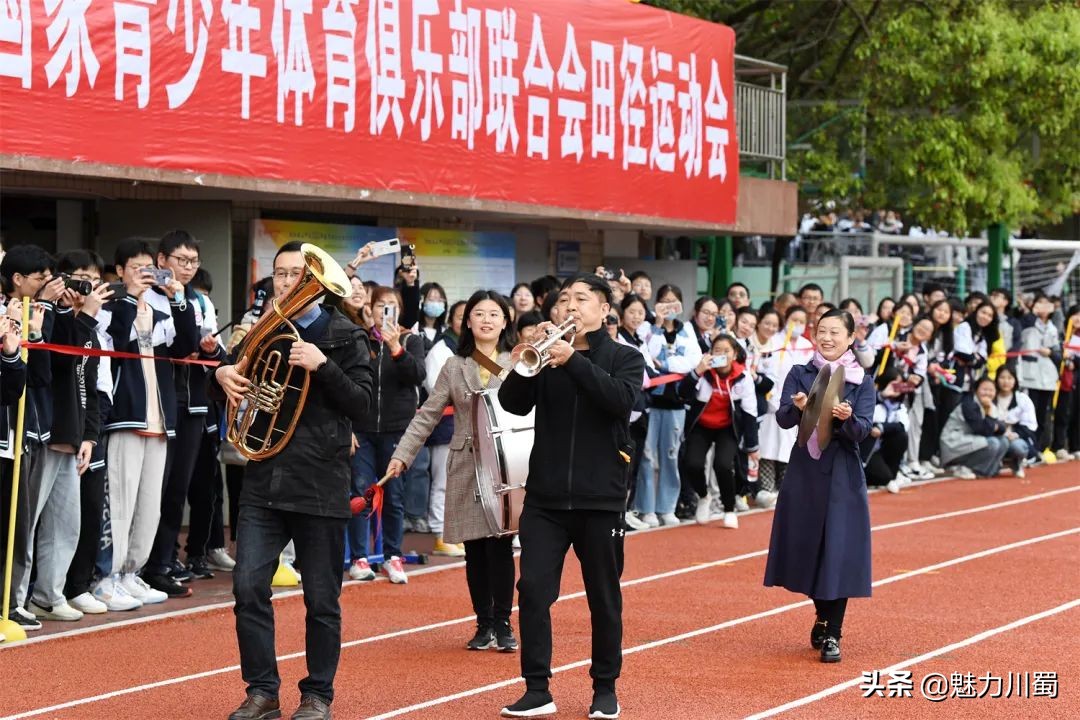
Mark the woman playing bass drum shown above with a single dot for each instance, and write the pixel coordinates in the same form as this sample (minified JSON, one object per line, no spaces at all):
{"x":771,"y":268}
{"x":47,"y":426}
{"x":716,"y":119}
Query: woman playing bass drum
{"x":486,"y":340}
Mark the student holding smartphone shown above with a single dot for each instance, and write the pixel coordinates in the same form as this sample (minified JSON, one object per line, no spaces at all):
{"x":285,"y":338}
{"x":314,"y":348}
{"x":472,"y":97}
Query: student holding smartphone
{"x":723,"y":413}
{"x":398,"y":359}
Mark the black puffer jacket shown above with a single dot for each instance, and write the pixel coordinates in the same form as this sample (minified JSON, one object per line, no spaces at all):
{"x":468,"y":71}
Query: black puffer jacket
{"x":397,"y":386}
{"x":312,"y":474}
{"x":581,"y":452}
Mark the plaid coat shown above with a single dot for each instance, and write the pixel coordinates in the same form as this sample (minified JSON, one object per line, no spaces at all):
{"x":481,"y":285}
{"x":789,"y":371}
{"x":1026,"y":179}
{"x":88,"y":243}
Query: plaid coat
{"x":459,"y":379}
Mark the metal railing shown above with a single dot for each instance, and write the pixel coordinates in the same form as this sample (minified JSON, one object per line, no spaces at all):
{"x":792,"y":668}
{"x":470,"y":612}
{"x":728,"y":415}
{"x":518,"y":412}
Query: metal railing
{"x":761,"y":112}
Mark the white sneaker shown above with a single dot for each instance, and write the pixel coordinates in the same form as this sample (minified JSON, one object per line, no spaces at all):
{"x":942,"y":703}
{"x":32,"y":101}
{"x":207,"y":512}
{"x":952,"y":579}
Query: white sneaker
{"x":893,"y":486}
{"x":702,"y":513}
{"x":394,"y":570}
{"x":634,"y":522}
{"x":740,"y":503}
{"x":731,"y":521}
{"x":218,"y":559}
{"x":651,"y":520}
{"x":141,"y":591}
{"x":963,"y":473}
{"x":1020,"y":472}
{"x":112,"y":593}
{"x":1062,"y":455}
{"x":88,"y":604}
{"x":669,"y":519}
{"x":765,"y":499}
{"x":61,"y":612}
{"x":360,"y":570}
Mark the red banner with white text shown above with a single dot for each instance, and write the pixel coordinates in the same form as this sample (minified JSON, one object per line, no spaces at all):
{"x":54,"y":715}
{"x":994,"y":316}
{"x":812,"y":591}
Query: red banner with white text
{"x":595,"y":105}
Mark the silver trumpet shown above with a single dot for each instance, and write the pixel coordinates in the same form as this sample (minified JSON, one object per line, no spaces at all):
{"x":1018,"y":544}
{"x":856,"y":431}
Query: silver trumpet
{"x":534,"y":357}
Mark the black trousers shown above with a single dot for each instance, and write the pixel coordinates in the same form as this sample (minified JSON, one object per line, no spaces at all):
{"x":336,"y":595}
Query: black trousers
{"x":234,"y":482}
{"x":638,"y":432}
{"x":698,"y":443}
{"x":183,"y":451}
{"x":206,"y":529}
{"x":1062,"y":417}
{"x":597,"y":539}
{"x":22,"y":531}
{"x":489,"y":571}
{"x":1042,"y":399}
{"x":832,"y":612}
{"x":885,"y":463}
{"x":320,"y":546}
{"x":80,"y":575}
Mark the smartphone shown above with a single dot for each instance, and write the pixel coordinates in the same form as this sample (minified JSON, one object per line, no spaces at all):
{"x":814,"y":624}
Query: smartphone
{"x":162,"y":276}
{"x":389,"y":316}
{"x":611,"y":275}
{"x":385,"y":247}
{"x":719,"y":361}
{"x":119,"y":290}
{"x":408,"y":256}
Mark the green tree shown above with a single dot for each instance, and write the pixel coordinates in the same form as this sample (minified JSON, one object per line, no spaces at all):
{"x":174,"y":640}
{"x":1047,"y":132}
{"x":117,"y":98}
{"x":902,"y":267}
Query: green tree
{"x":959,"y":112}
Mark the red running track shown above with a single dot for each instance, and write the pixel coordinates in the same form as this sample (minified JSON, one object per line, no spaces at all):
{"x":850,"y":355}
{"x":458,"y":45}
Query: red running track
{"x":962,"y":570}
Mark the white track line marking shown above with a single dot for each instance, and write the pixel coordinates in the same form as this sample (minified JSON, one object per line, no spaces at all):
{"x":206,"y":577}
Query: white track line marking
{"x":916,"y":660}
{"x":729,"y":623}
{"x":452,"y":566}
{"x":562,"y":668}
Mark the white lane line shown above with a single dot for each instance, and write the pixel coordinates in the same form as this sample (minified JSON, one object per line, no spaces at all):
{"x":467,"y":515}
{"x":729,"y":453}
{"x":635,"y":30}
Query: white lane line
{"x":451,"y":566}
{"x":916,"y":660}
{"x":726,"y":624}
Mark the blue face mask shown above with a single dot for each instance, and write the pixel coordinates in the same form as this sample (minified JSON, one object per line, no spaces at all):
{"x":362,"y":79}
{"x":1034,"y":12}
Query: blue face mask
{"x":434,"y":309}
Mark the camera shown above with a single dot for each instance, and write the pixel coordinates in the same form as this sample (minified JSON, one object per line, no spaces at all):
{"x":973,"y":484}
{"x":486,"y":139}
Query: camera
{"x":83,"y":287}
{"x":161,"y":276}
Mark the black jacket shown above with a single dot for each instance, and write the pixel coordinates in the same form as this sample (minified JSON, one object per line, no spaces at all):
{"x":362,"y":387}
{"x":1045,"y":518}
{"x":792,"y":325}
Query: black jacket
{"x":581,"y":451}
{"x":12,"y":383}
{"x":311,"y":475}
{"x":397,"y":386}
{"x":68,"y":406}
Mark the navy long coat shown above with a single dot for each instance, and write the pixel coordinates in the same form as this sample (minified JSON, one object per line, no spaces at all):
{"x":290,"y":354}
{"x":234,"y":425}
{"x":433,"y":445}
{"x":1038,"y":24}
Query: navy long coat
{"x":820,"y":542}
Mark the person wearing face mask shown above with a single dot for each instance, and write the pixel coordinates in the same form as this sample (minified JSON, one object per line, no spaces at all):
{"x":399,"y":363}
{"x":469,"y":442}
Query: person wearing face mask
{"x":723,"y":416}
{"x":820,"y":544}
{"x":432,"y":314}
{"x":787,"y":349}
{"x":974,"y":441}
{"x":484,"y":351}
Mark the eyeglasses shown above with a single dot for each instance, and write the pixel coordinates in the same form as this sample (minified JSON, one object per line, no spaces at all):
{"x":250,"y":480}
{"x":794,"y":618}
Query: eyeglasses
{"x":481,"y":315}
{"x":287,"y":274}
{"x":185,"y":262}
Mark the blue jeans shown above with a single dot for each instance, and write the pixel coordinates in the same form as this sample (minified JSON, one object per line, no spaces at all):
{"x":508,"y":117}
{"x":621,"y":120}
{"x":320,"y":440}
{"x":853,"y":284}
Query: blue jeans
{"x":418,"y":485}
{"x":661,"y":450}
{"x":369,"y":464}
{"x":261,"y":535}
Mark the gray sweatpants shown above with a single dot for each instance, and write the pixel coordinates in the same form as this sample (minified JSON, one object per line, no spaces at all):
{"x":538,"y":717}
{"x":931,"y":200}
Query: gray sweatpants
{"x":52,"y":493}
{"x":136,"y":474}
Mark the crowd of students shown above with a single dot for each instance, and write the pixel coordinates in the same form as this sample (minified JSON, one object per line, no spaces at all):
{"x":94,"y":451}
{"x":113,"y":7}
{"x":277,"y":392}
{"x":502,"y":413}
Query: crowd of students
{"x":115,"y":447}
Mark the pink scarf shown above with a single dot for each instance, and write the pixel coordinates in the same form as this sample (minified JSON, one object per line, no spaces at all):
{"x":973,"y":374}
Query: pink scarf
{"x":853,"y":373}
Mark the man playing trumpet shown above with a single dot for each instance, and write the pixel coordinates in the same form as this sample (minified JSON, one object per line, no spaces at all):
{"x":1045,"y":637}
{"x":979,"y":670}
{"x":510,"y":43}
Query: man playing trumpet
{"x":576,"y":489}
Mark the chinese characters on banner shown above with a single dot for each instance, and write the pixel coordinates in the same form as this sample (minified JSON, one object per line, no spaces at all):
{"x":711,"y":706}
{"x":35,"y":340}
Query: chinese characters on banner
{"x":596,"y":105}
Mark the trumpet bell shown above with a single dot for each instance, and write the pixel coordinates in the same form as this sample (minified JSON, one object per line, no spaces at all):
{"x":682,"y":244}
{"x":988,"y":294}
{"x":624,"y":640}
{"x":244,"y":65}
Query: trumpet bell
{"x":825,"y":394}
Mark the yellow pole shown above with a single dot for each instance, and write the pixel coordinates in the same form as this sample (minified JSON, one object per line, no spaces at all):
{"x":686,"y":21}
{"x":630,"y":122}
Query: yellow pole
{"x":888,"y":347}
{"x":11,"y":630}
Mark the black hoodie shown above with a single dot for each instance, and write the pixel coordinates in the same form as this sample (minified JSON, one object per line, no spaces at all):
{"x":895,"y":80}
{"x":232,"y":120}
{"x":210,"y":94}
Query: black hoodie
{"x":581,"y":451}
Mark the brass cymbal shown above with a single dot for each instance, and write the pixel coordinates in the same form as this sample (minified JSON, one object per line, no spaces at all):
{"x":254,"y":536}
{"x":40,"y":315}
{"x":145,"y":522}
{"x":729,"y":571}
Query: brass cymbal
{"x":825,"y":394}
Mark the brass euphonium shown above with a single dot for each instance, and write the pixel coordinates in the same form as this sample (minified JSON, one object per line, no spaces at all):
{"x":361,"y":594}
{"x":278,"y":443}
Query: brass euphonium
{"x":262,"y":426}
{"x":534,"y":357}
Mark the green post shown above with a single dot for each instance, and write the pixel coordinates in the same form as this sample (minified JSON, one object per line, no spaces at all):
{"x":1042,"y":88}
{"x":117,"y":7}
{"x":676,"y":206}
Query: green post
{"x":961,"y":281}
{"x":909,"y":277}
{"x":723,"y":276}
{"x":998,"y":235}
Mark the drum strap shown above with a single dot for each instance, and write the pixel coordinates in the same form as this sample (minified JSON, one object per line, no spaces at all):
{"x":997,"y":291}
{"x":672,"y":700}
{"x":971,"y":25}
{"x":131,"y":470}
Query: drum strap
{"x":490,"y":365}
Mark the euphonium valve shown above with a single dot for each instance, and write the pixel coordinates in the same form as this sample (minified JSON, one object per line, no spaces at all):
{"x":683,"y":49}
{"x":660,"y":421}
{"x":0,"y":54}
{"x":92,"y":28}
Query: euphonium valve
{"x":534,"y":357}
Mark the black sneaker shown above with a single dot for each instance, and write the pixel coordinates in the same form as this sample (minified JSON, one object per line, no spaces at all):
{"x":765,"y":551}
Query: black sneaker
{"x":830,"y":650}
{"x":605,"y":706}
{"x":199,"y":568}
{"x":24,"y":619}
{"x":504,"y":638}
{"x":168,"y":585}
{"x":483,"y":639}
{"x":534,"y":703}
{"x":179,"y":573}
{"x":817,"y":634}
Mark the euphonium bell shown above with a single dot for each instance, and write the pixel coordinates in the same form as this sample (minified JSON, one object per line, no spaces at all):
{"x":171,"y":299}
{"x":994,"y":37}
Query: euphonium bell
{"x":278,"y":391}
{"x":534,"y":357}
